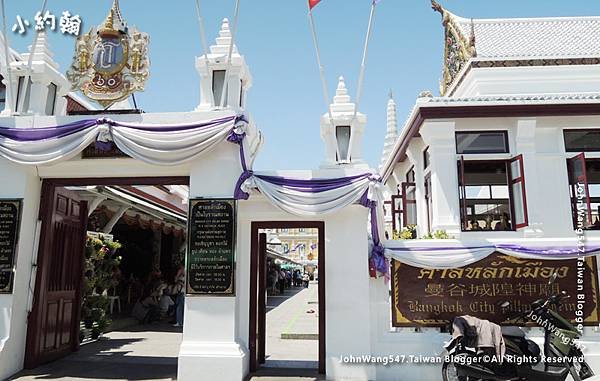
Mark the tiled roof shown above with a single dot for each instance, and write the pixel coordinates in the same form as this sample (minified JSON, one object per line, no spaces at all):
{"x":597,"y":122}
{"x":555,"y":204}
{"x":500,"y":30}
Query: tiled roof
{"x":557,"y":37}
{"x":521,"y":98}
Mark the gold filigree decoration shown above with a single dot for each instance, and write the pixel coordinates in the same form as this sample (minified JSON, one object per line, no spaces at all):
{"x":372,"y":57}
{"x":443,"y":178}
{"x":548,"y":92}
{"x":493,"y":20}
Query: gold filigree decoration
{"x":111,"y":60}
{"x":458,"y":50}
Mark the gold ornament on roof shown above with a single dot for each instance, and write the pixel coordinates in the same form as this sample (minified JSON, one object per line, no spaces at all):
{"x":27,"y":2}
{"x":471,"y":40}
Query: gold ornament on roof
{"x":458,"y":50}
{"x":111,"y":60}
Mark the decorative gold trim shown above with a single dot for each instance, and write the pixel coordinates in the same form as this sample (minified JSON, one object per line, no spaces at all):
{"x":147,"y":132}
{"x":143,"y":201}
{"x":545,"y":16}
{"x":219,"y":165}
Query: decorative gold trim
{"x":458,"y":50}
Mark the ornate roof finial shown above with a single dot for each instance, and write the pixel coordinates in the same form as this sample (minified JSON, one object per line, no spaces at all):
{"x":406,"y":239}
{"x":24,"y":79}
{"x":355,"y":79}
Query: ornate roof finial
{"x":223,"y":39}
{"x":225,"y":31}
{"x":117,"y":11}
{"x":437,"y":7}
{"x":114,"y":17}
{"x":391,"y":94}
{"x":341,"y":89}
{"x":341,"y":93}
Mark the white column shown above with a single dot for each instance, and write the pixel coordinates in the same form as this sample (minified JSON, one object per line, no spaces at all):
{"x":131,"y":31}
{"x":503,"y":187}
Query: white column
{"x":549,"y":175}
{"x":440,"y":137}
{"x":211,"y":348}
{"x":415,"y":155}
{"x":348,"y":325}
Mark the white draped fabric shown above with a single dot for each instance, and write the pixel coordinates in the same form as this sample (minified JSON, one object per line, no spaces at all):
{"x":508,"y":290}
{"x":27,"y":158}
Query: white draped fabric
{"x":170,"y":148}
{"x":161,"y":147}
{"x":452,"y":257}
{"x":47,"y":151}
{"x":310,"y":203}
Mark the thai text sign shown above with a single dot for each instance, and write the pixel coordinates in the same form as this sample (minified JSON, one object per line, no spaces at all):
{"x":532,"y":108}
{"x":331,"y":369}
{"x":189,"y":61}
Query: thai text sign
{"x":211,"y":247}
{"x":10,"y":216}
{"x":426,"y":297}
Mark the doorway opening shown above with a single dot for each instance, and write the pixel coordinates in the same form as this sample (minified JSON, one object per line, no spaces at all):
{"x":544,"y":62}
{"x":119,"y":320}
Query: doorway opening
{"x":287,"y":296}
{"x":110,"y":278}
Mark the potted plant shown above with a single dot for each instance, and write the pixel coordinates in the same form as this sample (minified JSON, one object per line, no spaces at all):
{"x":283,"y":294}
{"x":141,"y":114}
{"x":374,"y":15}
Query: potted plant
{"x":100,"y":261}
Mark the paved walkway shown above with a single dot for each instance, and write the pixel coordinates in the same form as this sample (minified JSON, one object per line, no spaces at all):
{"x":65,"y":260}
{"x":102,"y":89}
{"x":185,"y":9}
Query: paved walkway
{"x":147,"y":352}
{"x":293,"y":329}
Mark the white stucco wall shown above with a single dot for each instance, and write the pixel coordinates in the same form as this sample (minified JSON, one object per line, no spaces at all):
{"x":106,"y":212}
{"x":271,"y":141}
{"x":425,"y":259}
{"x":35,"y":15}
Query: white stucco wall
{"x":18,"y":182}
{"x":540,"y":140}
{"x":529,"y":80}
{"x":346,"y":281}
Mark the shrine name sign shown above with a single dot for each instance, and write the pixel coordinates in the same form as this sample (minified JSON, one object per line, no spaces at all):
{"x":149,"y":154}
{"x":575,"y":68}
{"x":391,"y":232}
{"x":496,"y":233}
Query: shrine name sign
{"x":432,"y":298}
{"x":10,"y":222}
{"x":211,"y":247}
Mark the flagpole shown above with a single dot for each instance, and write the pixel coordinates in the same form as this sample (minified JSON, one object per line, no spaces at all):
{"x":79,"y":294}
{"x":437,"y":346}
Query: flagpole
{"x":9,"y":85}
{"x":321,"y":68}
{"x":233,"y":32}
{"x":363,"y":64}
{"x":204,"y":46}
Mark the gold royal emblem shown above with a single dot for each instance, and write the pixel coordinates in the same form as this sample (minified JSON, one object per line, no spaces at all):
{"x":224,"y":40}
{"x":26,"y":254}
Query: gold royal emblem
{"x":111,"y":60}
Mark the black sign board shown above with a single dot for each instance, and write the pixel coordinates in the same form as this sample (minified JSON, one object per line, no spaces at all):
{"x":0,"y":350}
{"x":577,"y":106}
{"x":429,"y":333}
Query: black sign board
{"x":10,"y":223}
{"x":211,"y":247}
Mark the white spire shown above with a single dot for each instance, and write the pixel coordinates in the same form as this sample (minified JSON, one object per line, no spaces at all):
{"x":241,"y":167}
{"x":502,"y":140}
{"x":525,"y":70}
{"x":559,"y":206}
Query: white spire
{"x":224,"y":39}
{"x":41,"y":50}
{"x":343,"y":147}
{"x":392,"y":130}
{"x":341,"y":94}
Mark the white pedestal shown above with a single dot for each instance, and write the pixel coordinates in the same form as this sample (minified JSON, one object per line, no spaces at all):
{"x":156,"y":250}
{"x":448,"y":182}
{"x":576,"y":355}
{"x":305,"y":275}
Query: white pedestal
{"x":210,"y":350}
{"x":212,"y":361}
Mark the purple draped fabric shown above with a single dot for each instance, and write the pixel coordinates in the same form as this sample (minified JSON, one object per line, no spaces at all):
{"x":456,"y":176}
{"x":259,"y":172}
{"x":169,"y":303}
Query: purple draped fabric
{"x":239,"y":194}
{"x":170,"y":127}
{"x":35,"y":134}
{"x":238,"y":138}
{"x":312,"y":185}
{"x":43,"y":133}
{"x":378,"y":261}
{"x":552,"y":252}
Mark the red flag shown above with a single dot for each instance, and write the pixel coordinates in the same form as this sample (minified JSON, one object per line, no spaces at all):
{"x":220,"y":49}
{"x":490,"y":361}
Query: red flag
{"x":313,"y":3}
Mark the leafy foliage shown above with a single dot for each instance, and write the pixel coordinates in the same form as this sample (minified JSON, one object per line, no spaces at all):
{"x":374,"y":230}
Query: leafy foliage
{"x":438,"y":234}
{"x":100,"y":261}
{"x":409,"y":232}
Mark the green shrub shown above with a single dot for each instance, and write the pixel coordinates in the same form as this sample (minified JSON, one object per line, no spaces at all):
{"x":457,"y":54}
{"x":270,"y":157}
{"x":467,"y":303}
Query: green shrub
{"x":100,"y":261}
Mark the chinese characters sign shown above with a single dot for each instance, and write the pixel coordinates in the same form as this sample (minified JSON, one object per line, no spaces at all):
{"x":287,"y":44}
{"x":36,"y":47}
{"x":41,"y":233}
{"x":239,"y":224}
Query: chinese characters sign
{"x":426,"y":297}
{"x":10,"y":216}
{"x":68,"y":24}
{"x":211,"y":247}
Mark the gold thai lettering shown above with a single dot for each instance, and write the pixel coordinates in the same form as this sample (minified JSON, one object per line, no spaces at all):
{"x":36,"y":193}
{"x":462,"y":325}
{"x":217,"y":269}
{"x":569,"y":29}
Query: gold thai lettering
{"x":504,"y":271}
{"x":562,"y":272}
{"x":455,"y":273}
{"x":546,"y":272}
{"x":426,"y":273}
{"x":490,"y":272}
{"x":473,"y":272}
{"x":531,"y":272}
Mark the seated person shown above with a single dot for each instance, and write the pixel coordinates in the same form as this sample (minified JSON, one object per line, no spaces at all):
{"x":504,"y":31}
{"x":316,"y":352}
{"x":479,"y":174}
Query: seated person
{"x":475,"y":225}
{"x":504,"y":223}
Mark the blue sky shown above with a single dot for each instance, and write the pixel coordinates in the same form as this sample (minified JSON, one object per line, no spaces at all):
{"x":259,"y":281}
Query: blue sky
{"x":286,"y":98}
